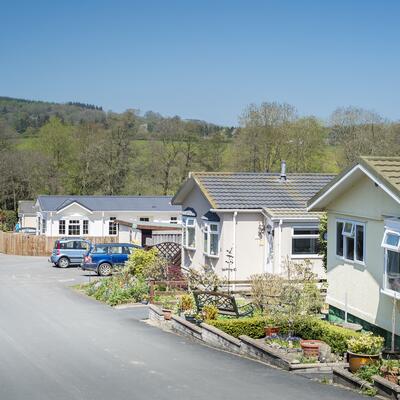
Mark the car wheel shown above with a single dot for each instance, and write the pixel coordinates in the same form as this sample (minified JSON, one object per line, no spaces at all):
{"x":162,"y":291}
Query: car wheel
{"x":104,"y":269}
{"x":63,"y":262}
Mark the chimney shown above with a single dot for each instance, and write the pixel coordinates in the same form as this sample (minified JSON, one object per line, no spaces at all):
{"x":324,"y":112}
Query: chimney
{"x":283,"y":170}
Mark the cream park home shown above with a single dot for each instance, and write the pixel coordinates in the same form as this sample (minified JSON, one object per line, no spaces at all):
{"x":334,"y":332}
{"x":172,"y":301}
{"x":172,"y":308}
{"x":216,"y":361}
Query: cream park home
{"x":249,"y":223}
{"x":363,"y":271}
{"x":124,"y":218}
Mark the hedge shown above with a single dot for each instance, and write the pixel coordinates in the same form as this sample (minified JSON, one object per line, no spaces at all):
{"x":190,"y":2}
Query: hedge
{"x":305,"y":327}
{"x":253,"y":327}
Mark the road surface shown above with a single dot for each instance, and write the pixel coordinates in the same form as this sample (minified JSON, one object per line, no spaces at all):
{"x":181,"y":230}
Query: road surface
{"x":57,"y":344}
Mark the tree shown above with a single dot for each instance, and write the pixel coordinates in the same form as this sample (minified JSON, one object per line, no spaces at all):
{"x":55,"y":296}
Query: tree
{"x":263,"y":135}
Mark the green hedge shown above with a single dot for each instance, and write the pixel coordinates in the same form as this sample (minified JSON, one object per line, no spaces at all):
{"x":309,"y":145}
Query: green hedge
{"x":306,"y":328}
{"x":253,"y":327}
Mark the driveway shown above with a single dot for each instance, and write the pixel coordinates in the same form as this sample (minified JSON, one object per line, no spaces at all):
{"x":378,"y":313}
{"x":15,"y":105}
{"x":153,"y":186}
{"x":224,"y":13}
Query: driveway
{"x":56,"y":344}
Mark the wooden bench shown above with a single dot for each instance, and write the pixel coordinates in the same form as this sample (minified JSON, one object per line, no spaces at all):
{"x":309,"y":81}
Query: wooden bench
{"x":225,"y":303}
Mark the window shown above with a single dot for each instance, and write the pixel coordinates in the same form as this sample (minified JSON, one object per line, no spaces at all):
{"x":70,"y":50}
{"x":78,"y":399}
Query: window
{"x":100,"y":249}
{"x":305,"y":241}
{"x":211,"y":239}
{"x":391,"y":244}
{"x":189,"y":233}
{"x":116,"y":249}
{"x":350,"y":240}
{"x":144,"y":219}
{"x":85,"y":227}
{"x":61,"y":227}
{"x":173,"y":220}
{"x":44,"y":223}
{"x":339,"y":239}
{"x":74,"y":227}
{"x":112,"y":226}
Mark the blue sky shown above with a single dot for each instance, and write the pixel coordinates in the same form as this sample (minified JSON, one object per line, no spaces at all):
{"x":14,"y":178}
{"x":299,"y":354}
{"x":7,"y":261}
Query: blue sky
{"x":204,"y":59}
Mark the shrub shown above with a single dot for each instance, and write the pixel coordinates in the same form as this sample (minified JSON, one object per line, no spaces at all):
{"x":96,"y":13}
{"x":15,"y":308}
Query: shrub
{"x":186,"y":302}
{"x":146,"y":263}
{"x":210,"y":312}
{"x":304,"y":327}
{"x":366,"y":343}
{"x":314,"y":328}
{"x":253,"y":327}
{"x":8,"y":219}
{"x":116,"y":290}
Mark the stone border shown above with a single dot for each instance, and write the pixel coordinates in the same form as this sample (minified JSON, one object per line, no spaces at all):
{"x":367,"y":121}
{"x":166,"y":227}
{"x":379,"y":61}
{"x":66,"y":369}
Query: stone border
{"x":386,"y":388}
{"x":345,"y":378}
{"x":244,"y":345}
{"x":186,"y":328}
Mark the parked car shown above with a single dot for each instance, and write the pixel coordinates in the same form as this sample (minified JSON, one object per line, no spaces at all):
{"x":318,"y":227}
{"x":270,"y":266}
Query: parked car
{"x":103,"y":258}
{"x":28,"y":231}
{"x":69,"y":251}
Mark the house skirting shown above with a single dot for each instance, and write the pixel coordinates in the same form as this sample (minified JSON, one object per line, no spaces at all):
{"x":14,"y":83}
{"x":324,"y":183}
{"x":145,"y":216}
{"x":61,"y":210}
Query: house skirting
{"x":337,"y":315}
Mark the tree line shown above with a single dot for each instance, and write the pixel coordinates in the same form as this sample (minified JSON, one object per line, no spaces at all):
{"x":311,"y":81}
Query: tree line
{"x":129,"y":153}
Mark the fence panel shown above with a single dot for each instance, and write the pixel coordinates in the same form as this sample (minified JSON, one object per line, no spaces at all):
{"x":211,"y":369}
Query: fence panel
{"x":36,"y":245}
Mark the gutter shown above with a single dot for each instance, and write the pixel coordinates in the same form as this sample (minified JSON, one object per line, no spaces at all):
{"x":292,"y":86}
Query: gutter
{"x":237,"y":210}
{"x":234,"y":245}
{"x":279,"y":246}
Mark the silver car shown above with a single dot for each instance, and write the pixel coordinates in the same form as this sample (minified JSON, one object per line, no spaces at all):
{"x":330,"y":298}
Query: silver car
{"x":69,"y":251}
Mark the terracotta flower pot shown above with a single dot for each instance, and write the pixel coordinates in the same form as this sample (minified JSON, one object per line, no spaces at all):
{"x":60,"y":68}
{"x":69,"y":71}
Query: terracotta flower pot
{"x":310,"y":347}
{"x":271,"y":330}
{"x":356,"y":361}
{"x":167,"y":314}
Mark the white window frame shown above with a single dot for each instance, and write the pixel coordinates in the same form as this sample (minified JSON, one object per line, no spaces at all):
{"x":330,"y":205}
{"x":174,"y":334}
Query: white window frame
{"x":44,"y":226}
{"x":112,"y":224}
{"x":76,"y":223}
{"x":396,"y":249}
{"x":352,"y":235}
{"x":64,"y":227}
{"x":188,"y":223}
{"x":83,"y":227}
{"x":173,"y":220}
{"x":304,"y":236}
{"x":208,"y":232}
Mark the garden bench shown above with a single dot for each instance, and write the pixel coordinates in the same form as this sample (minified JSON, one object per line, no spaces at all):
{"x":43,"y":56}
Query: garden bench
{"x":225,"y":303}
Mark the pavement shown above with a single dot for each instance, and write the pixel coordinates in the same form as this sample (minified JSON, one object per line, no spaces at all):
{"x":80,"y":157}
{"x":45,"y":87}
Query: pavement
{"x":58,"y":344}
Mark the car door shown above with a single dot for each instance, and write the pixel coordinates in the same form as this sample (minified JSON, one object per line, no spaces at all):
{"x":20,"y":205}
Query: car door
{"x":117,"y":256}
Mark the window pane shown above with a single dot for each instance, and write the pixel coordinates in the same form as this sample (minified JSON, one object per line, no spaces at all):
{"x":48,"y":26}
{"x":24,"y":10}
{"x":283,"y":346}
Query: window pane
{"x":360,"y":242}
{"x":304,"y":231}
{"x":348,"y":228}
{"x":85,"y":227}
{"x":305,"y":246}
{"x":205,"y":242}
{"x":339,"y":239}
{"x":74,"y":227}
{"x":100,"y":249}
{"x":349,"y":248}
{"x":116,"y":249}
{"x":393,"y":270}
{"x":214,"y":228}
{"x":112,"y":226}
{"x":392,"y":239}
{"x":61,"y":227}
{"x":213,"y":244}
{"x":191,"y":237}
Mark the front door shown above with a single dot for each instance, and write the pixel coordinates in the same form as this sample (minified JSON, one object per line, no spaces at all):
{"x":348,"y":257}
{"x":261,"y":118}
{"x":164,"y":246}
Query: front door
{"x":146,"y":233}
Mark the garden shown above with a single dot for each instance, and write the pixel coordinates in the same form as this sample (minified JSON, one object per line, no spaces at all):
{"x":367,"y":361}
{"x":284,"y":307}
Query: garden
{"x":279,"y":320}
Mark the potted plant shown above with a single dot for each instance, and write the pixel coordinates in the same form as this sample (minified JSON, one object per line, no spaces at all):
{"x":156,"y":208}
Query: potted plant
{"x":271,"y":330}
{"x":363,"y":350}
{"x":390,"y":370}
{"x":310,"y":347}
{"x":167,"y":306}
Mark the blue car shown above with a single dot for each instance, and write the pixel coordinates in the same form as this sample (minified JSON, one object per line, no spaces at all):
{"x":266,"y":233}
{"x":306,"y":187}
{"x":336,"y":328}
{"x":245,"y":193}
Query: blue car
{"x":69,"y":251}
{"x":103,"y":258}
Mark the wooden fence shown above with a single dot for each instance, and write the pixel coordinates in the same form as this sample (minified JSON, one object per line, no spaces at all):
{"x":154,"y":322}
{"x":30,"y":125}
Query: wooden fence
{"x":32,"y":245}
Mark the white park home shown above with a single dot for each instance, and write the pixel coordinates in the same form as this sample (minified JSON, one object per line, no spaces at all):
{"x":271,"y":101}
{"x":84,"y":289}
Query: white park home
{"x":253,"y":220}
{"x":363,"y":207}
{"x":106,"y":216}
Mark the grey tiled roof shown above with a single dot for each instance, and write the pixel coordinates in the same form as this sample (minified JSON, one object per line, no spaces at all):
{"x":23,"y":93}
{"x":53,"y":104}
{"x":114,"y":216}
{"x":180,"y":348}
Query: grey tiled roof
{"x":259,"y":190}
{"x":110,"y":203}
{"x":26,"y":207}
{"x":296,"y":213}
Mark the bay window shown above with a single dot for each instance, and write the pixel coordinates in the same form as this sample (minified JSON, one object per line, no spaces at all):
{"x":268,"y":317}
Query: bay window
{"x":391,"y":244}
{"x":350,"y":240}
{"x":211,"y":239}
{"x":305,"y":241}
{"x":189,"y":233}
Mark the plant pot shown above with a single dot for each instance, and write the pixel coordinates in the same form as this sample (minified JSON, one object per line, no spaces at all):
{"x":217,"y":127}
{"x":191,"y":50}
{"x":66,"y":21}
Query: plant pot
{"x":167,"y":314}
{"x":190,"y":318}
{"x":356,"y":361}
{"x":271,"y":330}
{"x":310,"y":347}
